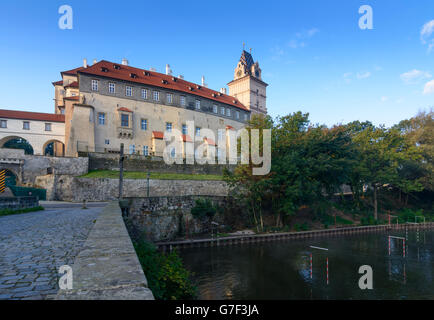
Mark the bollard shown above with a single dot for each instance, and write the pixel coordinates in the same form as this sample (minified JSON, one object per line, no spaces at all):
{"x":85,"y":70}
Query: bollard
{"x":311,"y":274}
{"x":84,"y":204}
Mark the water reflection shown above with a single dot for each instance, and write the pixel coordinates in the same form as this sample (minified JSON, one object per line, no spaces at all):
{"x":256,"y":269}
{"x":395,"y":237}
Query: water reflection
{"x":282,"y":269}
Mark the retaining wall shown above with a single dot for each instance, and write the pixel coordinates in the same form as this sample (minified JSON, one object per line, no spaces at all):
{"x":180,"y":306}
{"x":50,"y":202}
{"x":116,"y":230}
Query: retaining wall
{"x":164,"y":218}
{"x":107,"y":268}
{"x":75,"y":189}
{"x":107,"y":161}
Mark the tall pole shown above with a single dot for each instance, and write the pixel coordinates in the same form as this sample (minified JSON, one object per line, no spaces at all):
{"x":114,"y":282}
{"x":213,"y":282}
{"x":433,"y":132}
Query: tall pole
{"x":149,"y":175}
{"x":121,"y":172}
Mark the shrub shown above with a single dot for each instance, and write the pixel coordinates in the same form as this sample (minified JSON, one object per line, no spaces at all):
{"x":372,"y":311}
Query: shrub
{"x":204,"y":208}
{"x":167,"y":277}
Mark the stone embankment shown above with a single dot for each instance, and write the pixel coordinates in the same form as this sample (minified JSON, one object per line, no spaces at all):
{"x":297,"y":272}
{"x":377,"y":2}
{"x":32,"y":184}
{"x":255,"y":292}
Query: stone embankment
{"x":107,"y":267}
{"x":225,"y":241}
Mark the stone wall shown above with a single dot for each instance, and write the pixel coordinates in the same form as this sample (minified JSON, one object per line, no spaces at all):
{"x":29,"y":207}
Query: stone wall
{"x":106,"y":161}
{"x":16,"y":203}
{"x":107,"y":268}
{"x":165,"y":218}
{"x":28,"y":167}
{"x":76,"y":189}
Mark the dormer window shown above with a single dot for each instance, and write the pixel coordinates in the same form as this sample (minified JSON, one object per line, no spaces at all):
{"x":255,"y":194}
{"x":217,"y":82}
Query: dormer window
{"x":116,"y":67}
{"x":133,"y":75}
{"x":104,"y":69}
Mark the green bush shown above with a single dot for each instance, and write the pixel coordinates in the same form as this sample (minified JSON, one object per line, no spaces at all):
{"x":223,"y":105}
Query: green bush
{"x":167,"y":277}
{"x":7,"y":212}
{"x":409,"y":215}
{"x":204,"y":208}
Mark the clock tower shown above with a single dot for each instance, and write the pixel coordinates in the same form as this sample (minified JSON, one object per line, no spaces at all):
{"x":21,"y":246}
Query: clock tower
{"x":248,"y":86}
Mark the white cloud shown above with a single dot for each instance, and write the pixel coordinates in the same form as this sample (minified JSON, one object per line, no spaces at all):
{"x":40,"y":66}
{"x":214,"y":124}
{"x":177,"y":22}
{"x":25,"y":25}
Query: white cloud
{"x":384,"y":99}
{"x":299,"y":41}
{"x":363,"y":75}
{"x":347,"y":77}
{"x":426,"y":33}
{"x":415,"y":76}
{"x":429,"y":87}
{"x":427,"y":30}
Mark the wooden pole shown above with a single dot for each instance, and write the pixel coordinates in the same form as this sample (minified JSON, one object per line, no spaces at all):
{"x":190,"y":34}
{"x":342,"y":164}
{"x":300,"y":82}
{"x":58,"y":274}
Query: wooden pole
{"x":121,"y":172}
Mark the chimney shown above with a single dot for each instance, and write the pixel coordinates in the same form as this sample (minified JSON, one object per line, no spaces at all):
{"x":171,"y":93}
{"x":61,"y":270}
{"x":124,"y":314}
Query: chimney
{"x":223,"y":90}
{"x":94,"y":61}
{"x":124,"y":62}
{"x":168,"y":70}
{"x":203,"y":82}
{"x":84,"y":63}
{"x":181,"y":76}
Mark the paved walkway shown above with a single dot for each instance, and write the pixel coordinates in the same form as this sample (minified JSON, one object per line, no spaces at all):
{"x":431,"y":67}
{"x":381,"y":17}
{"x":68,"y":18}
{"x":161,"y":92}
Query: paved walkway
{"x":34,"y":245}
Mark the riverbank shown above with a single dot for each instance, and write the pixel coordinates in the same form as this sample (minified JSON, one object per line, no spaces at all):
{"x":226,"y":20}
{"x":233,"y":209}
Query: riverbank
{"x":251,"y":238}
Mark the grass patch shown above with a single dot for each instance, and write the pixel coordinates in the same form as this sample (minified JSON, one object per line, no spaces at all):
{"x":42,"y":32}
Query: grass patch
{"x":7,"y":212}
{"x":154,"y":175}
{"x":167,"y":277}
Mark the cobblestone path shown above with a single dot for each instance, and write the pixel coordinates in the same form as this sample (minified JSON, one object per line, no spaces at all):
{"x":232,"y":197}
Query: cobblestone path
{"x":34,"y":245}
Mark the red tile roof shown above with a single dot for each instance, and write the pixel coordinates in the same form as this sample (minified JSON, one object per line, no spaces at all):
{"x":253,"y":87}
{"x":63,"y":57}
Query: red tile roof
{"x":58,"y":83}
{"x":186,"y":138}
{"x":75,"y":98}
{"x":25,"y":115}
{"x":158,"y":134}
{"x":124,"y":109}
{"x":158,"y":80}
{"x":230,"y":128}
{"x":73,"y":72}
{"x":210,"y":141}
{"x":72,"y":85}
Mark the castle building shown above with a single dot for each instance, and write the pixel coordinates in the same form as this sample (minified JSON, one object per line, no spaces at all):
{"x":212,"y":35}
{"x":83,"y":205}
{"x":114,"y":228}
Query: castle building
{"x":106,"y":104}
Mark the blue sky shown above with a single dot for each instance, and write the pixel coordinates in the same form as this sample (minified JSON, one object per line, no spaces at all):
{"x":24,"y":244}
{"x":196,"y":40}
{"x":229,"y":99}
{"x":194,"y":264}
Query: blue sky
{"x":312,"y":53}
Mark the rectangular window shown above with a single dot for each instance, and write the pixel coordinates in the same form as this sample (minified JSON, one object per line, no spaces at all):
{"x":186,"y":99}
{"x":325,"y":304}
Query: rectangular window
{"x":125,"y":120}
{"x":222,"y":111}
{"x":26,"y":125}
{"x":129,"y":91}
{"x":220,"y":135}
{"x":111,"y":87}
{"x":246,"y":117}
{"x":197,"y":104}
{"x":144,"y":124}
{"x":237,"y":114}
{"x":145,"y":151}
{"x":48,"y":127}
{"x":228,"y":112}
{"x":94,"y":85}
{"x":169,"y":126}
{"x":62,"y":110}
{"x":184,"y":129}
{"x":156,"y":96}
{"x":144,"y":94}
{"x":132,"y":149}
{"x":107,"y":141}
{"x":214,"y":109}
{"x":169,"y":98}
{"x":101,"y":119}
{"x":3,"y":124}
{"x":182,"y":101}
{"x":197,"y":132}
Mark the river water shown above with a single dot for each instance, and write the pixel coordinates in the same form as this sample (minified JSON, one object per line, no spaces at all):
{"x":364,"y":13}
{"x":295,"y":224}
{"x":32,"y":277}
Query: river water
{"x":281,"y":269}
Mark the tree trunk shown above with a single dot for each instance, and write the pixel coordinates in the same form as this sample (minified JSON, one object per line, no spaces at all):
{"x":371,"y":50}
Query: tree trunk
{"x":406,"y":199}
{"x":375,"y":203}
